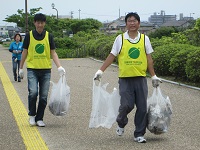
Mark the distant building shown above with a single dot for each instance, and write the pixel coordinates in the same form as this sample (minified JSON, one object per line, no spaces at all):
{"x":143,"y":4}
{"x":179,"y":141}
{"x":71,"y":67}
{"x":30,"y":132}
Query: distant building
{"x":119,"y":25}
{"x":159,"y":18}
{"x":185,"y":18}
{"x":176,"y":23}
{"x":116,"y":24}
{"x":64,"y":16}
{"x":3,"y":31}
{"x":9,"y":31}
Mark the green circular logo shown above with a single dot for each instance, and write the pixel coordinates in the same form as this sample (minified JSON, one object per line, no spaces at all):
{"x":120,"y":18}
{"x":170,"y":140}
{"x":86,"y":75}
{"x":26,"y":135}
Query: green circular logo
{"x":39,"y":48}
{"x":134,"y":53}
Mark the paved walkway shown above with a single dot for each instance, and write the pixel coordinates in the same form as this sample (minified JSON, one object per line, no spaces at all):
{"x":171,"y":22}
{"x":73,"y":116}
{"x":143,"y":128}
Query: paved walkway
{"x":71,"y":132}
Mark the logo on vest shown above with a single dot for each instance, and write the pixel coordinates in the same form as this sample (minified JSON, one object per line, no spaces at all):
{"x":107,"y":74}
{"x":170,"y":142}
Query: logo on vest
{"x":39,"y":48}
{"x":134,"y":53}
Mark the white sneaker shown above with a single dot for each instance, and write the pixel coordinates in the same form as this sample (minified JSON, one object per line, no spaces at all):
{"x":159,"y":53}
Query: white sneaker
{"x":140,"y":139}
{"x":40,"y":123}
{"x":120,"y":131}
{"x":32,"y":120}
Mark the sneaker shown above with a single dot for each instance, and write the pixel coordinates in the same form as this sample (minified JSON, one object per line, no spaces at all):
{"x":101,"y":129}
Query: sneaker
{"x":40,"y":123}
{"x":32,"y":120}
{"x":140,"y":139}
{"x":15,"y":78}
{"x":120,"y":131}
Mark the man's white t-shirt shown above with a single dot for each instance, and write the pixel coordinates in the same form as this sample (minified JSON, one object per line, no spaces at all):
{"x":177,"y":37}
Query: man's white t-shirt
{"x":118,"y":43}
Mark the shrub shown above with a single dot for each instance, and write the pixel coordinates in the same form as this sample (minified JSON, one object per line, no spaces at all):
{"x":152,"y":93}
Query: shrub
{"x":62,"y":53}
{"x":162,"y":57}
{"x":178,"y":62}
{"x":193,"y":66}
{"x":65,"y":43}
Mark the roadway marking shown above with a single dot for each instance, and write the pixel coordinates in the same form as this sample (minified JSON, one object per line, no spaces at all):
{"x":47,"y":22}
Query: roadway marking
{"x":31,"y":136}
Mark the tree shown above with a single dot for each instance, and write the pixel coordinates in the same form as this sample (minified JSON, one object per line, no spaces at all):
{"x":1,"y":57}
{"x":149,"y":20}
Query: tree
{"x":85,"y":25}
{"x":162,"y":31}
{"x":20,"y":17}
{"x":55,"y":26}
{"x":193,"y":34}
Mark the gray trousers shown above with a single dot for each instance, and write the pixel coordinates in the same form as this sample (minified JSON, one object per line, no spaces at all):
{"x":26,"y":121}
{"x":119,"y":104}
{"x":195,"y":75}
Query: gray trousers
{"x":133,"y":92}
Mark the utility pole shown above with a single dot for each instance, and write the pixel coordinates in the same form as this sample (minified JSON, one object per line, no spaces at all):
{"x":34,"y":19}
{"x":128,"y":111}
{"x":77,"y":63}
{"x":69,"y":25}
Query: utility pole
{"x":119,"y":12}
{"x":26,"y":20}
{"x":79,"y":13}
{"x":71,"y":14}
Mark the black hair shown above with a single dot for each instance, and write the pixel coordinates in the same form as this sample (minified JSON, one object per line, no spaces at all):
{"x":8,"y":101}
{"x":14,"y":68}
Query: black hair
{"x":40,"y":17}
{"x":19,"y":36}
{"x":132,"y":14}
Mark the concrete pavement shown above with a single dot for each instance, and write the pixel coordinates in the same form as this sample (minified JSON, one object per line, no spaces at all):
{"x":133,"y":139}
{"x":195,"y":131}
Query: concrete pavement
{"x":71,"y":132}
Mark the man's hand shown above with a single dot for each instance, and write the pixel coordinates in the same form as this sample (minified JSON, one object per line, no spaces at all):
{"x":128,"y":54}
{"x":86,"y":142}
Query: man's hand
{"x":21,"y":73}
{"x":155,"y":81}
{"x":98,"y":75}
{"x":61,"y":70}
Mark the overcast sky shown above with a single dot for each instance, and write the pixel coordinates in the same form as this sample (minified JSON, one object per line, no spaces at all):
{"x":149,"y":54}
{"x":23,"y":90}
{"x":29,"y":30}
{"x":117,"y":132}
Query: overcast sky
{"x":103,"y":10}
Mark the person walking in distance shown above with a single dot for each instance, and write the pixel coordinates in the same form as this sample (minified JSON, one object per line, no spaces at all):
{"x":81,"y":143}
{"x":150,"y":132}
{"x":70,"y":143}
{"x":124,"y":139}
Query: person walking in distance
{"x":38,"y":48}
{"x":16,"y":48}
{"x":134,"y":57}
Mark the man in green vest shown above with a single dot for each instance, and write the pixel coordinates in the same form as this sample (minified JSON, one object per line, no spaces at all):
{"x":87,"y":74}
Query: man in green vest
{"x":134,"y":56}
{"x":38,"y":48}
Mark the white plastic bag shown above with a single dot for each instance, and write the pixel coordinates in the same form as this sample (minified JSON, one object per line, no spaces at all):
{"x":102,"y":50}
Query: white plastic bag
{"x":159,"y":112}
{"x":59,"y":97}
{"x":105,"y":106}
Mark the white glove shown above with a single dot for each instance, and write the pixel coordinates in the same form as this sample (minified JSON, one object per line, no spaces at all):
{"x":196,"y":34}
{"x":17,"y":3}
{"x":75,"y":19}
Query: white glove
{"x":21,"y":73}
{"x":155,"y":81}
{"x":98,"y":75}
{"x":61,"y":70}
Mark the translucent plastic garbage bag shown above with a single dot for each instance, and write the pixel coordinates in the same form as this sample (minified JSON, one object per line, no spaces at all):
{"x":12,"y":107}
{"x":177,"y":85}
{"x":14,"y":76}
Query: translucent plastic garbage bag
{"x":159,"y":112}
{"x":59,"y":97}
{"x":105,"y":106}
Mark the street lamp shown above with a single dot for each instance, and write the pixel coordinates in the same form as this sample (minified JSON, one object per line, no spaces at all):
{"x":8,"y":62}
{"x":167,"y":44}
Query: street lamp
{"x":191,"y":14}
{"x":53,"y":7}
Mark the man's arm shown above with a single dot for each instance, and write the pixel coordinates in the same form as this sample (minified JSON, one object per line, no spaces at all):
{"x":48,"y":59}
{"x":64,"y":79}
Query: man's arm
{"x":55,"y":58}
{"x":24,"y":55}
{"x":150,"y":65}
{"x":107,"y":62}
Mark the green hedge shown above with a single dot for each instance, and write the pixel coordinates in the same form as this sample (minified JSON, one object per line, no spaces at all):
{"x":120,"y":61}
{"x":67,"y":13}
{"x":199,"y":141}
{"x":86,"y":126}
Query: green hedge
{"x":193,"y":66}
{"x":72,"y":53}
{"x":162,"y":56}
{"x":178,"y":62}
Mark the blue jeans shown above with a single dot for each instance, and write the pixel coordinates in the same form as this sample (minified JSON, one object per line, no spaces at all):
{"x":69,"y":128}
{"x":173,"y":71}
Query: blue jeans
{"x":16,"y":68}
{"x":38,"y":82}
